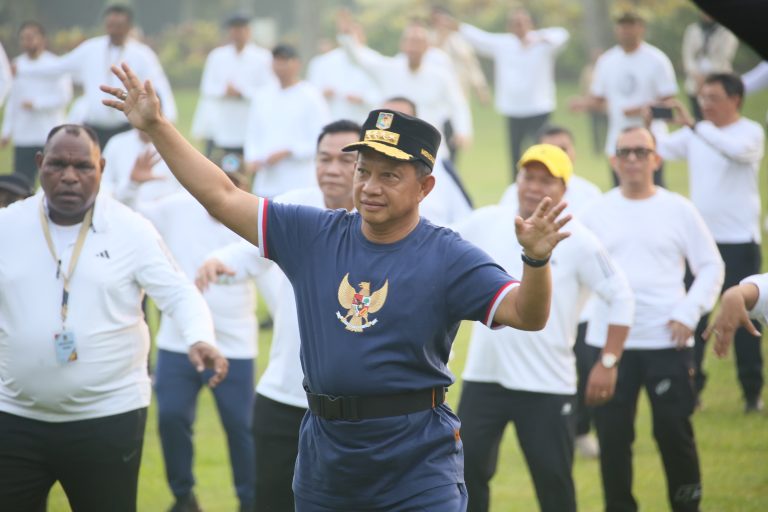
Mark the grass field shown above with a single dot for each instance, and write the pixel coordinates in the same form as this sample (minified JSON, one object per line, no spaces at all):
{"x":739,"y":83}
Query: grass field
{"x":733,"y":447}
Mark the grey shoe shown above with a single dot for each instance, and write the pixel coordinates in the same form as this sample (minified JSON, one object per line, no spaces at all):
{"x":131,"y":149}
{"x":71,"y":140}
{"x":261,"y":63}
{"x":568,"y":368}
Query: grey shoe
{"x":753,"y":405}
{"x":587,"y":446}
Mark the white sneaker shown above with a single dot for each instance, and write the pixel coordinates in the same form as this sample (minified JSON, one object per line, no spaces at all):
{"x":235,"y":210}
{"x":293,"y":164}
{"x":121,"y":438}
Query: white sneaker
{"x":587,"y":446}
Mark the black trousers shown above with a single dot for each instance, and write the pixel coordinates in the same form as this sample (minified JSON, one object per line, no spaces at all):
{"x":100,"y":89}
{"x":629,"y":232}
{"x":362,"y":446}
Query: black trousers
{"x":521,"y":129}
{"x":545,"y":426}
{"x":584,"y":363}
{"x":105,"y":134}
{"x":276,"y":445}
{"x":741,"y":260}
{"x":96,"y":461}
{"x":667,"y":376}
{"x":24,"y":162}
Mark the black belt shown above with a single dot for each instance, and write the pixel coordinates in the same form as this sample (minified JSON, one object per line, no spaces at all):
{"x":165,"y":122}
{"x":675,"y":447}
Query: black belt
{"x":353,"y":408}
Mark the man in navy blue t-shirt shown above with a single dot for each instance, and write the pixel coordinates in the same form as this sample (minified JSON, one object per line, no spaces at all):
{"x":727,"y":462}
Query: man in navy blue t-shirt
{"x":380,"y":293}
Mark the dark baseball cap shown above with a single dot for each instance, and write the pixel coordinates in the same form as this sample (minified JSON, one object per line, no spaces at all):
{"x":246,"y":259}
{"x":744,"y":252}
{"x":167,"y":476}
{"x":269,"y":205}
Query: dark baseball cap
{"x":16,"y":184}
{"x":398,"y":136}
{"x":237,"y":20}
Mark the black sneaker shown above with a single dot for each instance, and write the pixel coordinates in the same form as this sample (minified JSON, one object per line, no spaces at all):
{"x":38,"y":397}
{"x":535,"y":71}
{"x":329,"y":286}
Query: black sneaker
{"x":186,"y":503}
{"x":753,"y":405}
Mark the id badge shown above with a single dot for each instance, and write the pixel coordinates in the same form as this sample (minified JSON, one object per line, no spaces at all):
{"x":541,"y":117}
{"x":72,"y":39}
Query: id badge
{"x":66,"y":350}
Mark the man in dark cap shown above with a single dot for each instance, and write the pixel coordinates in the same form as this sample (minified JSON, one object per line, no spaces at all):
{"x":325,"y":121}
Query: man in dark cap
{"x":13,"y":187}
{"x":380,"y":293}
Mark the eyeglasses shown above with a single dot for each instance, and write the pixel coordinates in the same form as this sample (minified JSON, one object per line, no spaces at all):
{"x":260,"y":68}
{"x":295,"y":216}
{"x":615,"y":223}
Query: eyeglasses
{"x":640,"y":153}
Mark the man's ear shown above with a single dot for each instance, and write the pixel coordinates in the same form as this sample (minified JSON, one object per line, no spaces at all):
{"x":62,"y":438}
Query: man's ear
{"x":427,"y":183}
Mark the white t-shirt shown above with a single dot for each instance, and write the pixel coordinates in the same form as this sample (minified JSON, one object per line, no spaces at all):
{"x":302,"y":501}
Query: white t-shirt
{"x":650,"y":240}
{"x":120,"y":156}
{"x":579,"y":194}
{"x":723,"y":167}
{"x":123,"y":255}
{"x":219,"y":117}
{"x":285,"y":119}
{"x":542,"y":361}
{"x":49,"y":97}
{"x":525,"y":73}
{"x":191,"y":234}
{"x":629,"y":80}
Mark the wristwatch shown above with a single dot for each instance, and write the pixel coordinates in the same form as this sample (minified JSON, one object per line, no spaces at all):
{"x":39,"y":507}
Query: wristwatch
{"x":608,"y":360}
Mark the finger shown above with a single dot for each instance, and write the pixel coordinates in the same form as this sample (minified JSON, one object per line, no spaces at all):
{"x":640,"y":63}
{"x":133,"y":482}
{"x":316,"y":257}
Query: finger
{"x":562,"y":235}
{"x":196,"y":359}
{"x":120,"y":75}
{"x":542,"y":207}
{"x":557,"y":210}
{"x":220,"y":370}
{"x":707,"y":332}
{"x":563,"y":221}
{"x":131,"y":81}
{"x":117,"y":105}
{"x":747,"y":324}
{"x":114,"y":91}
{"x":149,"y":88}
{"x":227,"y":270}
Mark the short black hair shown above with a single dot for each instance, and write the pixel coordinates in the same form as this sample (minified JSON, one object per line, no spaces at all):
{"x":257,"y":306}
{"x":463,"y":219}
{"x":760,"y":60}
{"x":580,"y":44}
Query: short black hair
{"x":72,"y":129}
{"x":731,"y":82}
{"x":551,"y":130}
{"x":284,"y":51}
{"x":405,"y":100}
{"x":340,"y":126}
{"x":33,"y":24}
{"x":123,"y":9}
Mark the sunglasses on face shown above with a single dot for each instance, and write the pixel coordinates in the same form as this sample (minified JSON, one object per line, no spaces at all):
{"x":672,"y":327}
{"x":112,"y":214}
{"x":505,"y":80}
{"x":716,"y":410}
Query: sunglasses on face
{"x":639,"y":152}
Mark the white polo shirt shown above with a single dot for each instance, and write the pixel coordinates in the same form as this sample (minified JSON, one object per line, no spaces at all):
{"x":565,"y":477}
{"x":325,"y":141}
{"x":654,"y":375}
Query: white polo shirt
{"x":723,"y":168}
{"x":123,"y":255}
{"x":650,"y":240}
{"x":191,"y":234}
{"x":542,"y":361}
{"x":49,"y":98}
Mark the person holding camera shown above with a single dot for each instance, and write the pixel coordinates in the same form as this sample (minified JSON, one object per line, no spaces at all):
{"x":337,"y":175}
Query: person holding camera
{"x":724,"y":152}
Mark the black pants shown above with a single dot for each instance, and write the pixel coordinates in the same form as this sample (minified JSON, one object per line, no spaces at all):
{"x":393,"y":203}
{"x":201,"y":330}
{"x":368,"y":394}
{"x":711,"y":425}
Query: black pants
{"x":276,"y":445}
{"x":520,"y":129}
{"x":741,"y":260}
{"x":105,"y":134}
{"x":24,"y":162}
{"x":666,"y":376}
{"x":584,"y":363}
{"x":96,"y":461}
{"x":545,"y":431}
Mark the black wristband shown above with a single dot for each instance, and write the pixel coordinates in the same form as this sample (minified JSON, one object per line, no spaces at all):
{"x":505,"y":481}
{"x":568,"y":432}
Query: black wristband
{"x":531,"y":262}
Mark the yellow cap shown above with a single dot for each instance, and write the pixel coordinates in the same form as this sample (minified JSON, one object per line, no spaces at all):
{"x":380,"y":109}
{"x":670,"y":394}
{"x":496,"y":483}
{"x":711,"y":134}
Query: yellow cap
{"x":552,"y":157}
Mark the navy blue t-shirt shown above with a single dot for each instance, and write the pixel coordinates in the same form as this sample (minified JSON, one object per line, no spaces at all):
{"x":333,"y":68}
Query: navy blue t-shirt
{"x":377,"y":319}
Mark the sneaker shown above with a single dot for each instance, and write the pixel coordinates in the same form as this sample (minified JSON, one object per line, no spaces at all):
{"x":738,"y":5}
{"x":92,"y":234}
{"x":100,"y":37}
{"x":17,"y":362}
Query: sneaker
{"x":753,"y":405}
{"x":587,"y":446}
{"x":186,"y":503}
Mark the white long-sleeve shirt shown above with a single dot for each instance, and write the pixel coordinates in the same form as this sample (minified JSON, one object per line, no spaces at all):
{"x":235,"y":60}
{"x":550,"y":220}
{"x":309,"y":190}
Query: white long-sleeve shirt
{"x":334,"y":71}
{"x":723,"y":167}
{"x":219,"y":117}
{"x":49,"y":97}
{"x":123,"y":256}
{"x":6,"y":78}
{"x":282,"y":380}
{"x":285,"y":119}
{"x":631,"y":80}
{"x":433,"y":88}
{"x":90,"y":64}
{"x":706,"y":52}
{"x":756,"y":79}
{"x":542,"y":361}
{"x":525,"y":73}
{"x":650,"y":240}
{"x":191,"y":234}
{"x":120,"y":156}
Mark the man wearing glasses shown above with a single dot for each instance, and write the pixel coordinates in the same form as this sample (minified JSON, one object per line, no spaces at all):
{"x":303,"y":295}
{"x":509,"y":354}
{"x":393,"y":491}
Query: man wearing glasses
{"x":649,"y":233}
{"x":723,"y":152}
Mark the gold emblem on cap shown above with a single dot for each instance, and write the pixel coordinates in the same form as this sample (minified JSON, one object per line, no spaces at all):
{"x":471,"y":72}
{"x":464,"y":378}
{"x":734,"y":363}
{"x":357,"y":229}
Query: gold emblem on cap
{"x":428,"y":155}
{"x":382,"y":136}
{"x":385,"y":120}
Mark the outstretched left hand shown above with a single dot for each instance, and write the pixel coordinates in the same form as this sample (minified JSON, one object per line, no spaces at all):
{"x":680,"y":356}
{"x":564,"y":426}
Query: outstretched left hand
{"x":540,"y":233}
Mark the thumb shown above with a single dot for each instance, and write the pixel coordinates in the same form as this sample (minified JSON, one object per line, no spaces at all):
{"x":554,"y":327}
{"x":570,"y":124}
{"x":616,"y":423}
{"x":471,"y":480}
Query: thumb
{"x":749,"y":326}
{"x":227,"y":270}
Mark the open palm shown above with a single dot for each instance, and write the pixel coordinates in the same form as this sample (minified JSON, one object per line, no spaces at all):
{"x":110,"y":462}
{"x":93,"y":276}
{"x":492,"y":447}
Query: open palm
{"x":137,"y":101}
{"x":540,"y":233}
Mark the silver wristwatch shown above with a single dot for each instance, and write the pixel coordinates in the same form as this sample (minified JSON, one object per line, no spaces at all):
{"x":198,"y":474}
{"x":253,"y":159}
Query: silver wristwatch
{"x":608,"y":360}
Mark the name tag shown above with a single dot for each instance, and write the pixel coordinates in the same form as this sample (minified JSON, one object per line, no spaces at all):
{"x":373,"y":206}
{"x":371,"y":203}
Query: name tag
{"x":66,"y":350}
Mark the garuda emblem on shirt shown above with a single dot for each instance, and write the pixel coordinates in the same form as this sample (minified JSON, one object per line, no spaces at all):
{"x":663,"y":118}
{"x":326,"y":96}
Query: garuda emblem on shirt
{"x":359,"y":304}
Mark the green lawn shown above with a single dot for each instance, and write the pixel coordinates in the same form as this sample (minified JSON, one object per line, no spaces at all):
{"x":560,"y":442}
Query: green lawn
{"x":733,"y":447}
